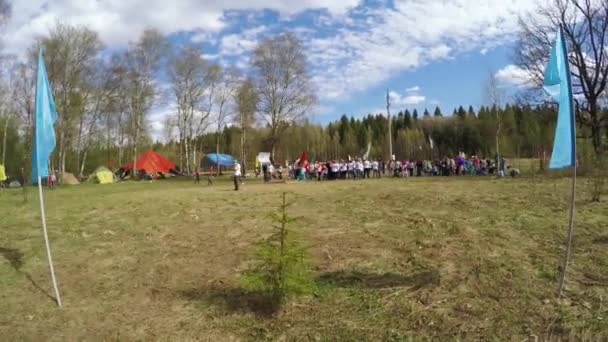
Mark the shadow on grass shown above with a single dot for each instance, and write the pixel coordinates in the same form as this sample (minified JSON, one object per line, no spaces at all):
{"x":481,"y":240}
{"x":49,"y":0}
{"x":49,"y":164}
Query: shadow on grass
{"x":601,"y":240}
{"x":265,"y":305}
{"x":15,"y":258}
{"x":235,"y":300}
{"x":428,"y":278}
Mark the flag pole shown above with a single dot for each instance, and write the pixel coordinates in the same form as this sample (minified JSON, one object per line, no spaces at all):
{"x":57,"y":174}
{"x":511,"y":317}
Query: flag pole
{"x":573,"y":162}
{"x":562,"y":278}
{"x":46,"y":241}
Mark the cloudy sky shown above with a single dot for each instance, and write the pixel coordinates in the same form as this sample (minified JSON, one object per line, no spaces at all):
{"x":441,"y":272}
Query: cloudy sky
{"x":428,"y":52}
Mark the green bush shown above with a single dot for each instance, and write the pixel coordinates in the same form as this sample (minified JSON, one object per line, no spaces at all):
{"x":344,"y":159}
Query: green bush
{"x":280,"y":268}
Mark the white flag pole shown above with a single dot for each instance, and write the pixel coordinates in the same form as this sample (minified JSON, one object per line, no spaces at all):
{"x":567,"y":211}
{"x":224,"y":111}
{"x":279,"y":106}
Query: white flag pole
{"x":46,"y":241}
{"x":562,"y":278}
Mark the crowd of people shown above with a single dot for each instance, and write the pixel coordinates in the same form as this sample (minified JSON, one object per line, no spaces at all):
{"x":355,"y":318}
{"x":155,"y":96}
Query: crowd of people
{"x":365,"y":168}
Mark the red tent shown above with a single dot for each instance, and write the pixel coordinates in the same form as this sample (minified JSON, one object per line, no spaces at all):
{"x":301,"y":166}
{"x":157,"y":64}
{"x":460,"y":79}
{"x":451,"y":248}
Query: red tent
{"x":151,"y":162}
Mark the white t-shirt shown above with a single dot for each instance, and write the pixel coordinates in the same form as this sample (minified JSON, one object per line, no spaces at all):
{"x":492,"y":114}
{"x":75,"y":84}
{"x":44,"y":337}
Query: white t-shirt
{"x":344,"y":167}
{"x":367,"y":164}
{"x":237,"y":169}
{"x":375,"y":165}
{"x":335,"y":167}
{"x":360,"y":166}
{"x":351,"y":166}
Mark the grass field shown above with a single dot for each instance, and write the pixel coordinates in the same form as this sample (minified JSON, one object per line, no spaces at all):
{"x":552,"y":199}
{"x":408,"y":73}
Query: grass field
{"x":442,"y":258}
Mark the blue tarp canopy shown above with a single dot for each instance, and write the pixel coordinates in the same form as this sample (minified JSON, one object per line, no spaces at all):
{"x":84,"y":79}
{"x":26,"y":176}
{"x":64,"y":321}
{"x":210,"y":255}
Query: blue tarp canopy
{"x":224,"y":159}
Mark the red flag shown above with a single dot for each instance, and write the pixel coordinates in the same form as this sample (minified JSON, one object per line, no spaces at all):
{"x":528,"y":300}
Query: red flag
{"x":303,"y":158}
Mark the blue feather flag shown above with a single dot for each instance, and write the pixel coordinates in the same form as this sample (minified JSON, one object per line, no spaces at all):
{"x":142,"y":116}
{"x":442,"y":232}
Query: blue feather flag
{"x":45,"y":117}
{"x":558,"y":86}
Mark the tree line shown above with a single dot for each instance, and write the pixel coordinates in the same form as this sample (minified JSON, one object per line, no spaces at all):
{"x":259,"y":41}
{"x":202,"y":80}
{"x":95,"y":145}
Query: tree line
{"x":106,"y":99}
{"x":527,"y":132}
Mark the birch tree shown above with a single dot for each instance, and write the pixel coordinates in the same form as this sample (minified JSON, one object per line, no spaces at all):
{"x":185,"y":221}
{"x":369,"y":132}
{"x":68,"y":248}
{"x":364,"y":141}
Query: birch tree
{"x":188,"y":72}
{"x":585,"y":27}
{"x":246,"y":100}
{"x":70,"y":54}
{"x":224,"y":95}
{"x":142,"y":62}
{"x":283,"y":83}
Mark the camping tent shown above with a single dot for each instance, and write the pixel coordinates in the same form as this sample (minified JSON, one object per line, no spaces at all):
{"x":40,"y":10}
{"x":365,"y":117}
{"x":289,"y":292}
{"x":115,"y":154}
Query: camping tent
{"x":2,"y":173}
{"x":151,"y":162}
{"x":102,"y":176}
{"x":212,"y":160}
{"x":69,"y":179}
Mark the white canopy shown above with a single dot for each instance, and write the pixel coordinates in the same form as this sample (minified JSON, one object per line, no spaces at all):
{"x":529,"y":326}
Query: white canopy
{"x":264,"y":158}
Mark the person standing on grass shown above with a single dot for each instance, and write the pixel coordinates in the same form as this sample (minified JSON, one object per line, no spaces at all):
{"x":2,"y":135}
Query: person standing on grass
{"x":376,"y":169}
{"x":237,"y":175}
{"x":343,"y":169}
{"x":197,"y":176}
{"x":367,"y":167}
{"x":210,"y":178}
{"x":51,"y":180}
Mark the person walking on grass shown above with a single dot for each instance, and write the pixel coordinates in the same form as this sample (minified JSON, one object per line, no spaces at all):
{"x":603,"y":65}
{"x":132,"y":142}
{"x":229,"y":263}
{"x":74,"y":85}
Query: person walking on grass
{"x":237,"y":175}
{"x":210,"y":178}
{"x":197,"y":176}
{"x":52,"y":180}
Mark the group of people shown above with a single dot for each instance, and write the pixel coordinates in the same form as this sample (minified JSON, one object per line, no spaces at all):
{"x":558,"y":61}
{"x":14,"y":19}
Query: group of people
{"x":364,"y":168}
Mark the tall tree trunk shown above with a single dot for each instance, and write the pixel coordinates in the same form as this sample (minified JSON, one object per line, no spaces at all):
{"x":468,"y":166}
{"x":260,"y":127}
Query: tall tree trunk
{"x":195,"y":163}
{"x":4,"y":140}
{"x":135,"y":140}
{"x":84,"y":161}
{"x":498,"y":126}
{"x":61,"y":149}
{"x":187,"y":150}
{"x":108,"y":133}
{"x":217,"y":151}
{"x":243,"y":147}
{"x":596,"y":128}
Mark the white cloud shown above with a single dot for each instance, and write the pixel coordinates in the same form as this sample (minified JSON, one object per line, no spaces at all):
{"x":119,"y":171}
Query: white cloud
{"x":439,"y":51}
{"x":410,"y":98}
{"x":413,"y":89}
{"x":119,"y":21}
{"x":388,"y":40}
{"x":240,"y":43}
{"x":512,"y":75}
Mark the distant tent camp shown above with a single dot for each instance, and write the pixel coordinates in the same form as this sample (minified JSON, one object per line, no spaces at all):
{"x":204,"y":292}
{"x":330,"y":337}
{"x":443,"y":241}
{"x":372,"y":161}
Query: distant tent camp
{"x":211,"y":160}
{"x":69,"y":179}
{"x":151,"y":162}
{"x":102,"y":176}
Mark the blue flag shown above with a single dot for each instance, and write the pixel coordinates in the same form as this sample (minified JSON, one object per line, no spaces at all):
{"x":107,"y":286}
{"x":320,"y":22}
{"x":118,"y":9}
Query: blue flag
{"x":45,"y":117}
{"x":559,"y":87}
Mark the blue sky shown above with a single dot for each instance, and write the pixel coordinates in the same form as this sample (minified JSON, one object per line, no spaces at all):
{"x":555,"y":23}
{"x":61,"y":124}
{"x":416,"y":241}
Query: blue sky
{"x":427,"y":52}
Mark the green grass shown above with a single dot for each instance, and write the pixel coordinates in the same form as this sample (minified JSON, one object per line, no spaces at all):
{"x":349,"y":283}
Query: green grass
{"x":440,"y":258}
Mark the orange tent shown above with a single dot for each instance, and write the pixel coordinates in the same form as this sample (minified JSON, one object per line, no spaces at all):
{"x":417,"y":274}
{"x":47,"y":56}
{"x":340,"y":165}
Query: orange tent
{"x":151,"y":162}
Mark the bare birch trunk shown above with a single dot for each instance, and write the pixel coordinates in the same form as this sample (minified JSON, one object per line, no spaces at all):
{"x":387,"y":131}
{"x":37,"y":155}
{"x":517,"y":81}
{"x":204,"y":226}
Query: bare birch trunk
{"x":4,"y":140}
{"x":84,"y":161}
{"x":217,"y":152}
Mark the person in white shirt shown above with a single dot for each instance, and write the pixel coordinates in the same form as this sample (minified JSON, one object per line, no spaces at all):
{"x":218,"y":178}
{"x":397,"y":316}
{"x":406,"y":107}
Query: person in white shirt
{"x":237,"y":175}
{"x":335,"y":168}
{"x":375,"y":169}
{"x":343,"y":170}
{"x":367,"y":167}
{"x":360,"y":169}
{"x":350,"y":167}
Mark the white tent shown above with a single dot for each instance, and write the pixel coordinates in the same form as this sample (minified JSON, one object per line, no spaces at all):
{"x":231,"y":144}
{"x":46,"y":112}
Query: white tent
{"x":263,"y":159}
